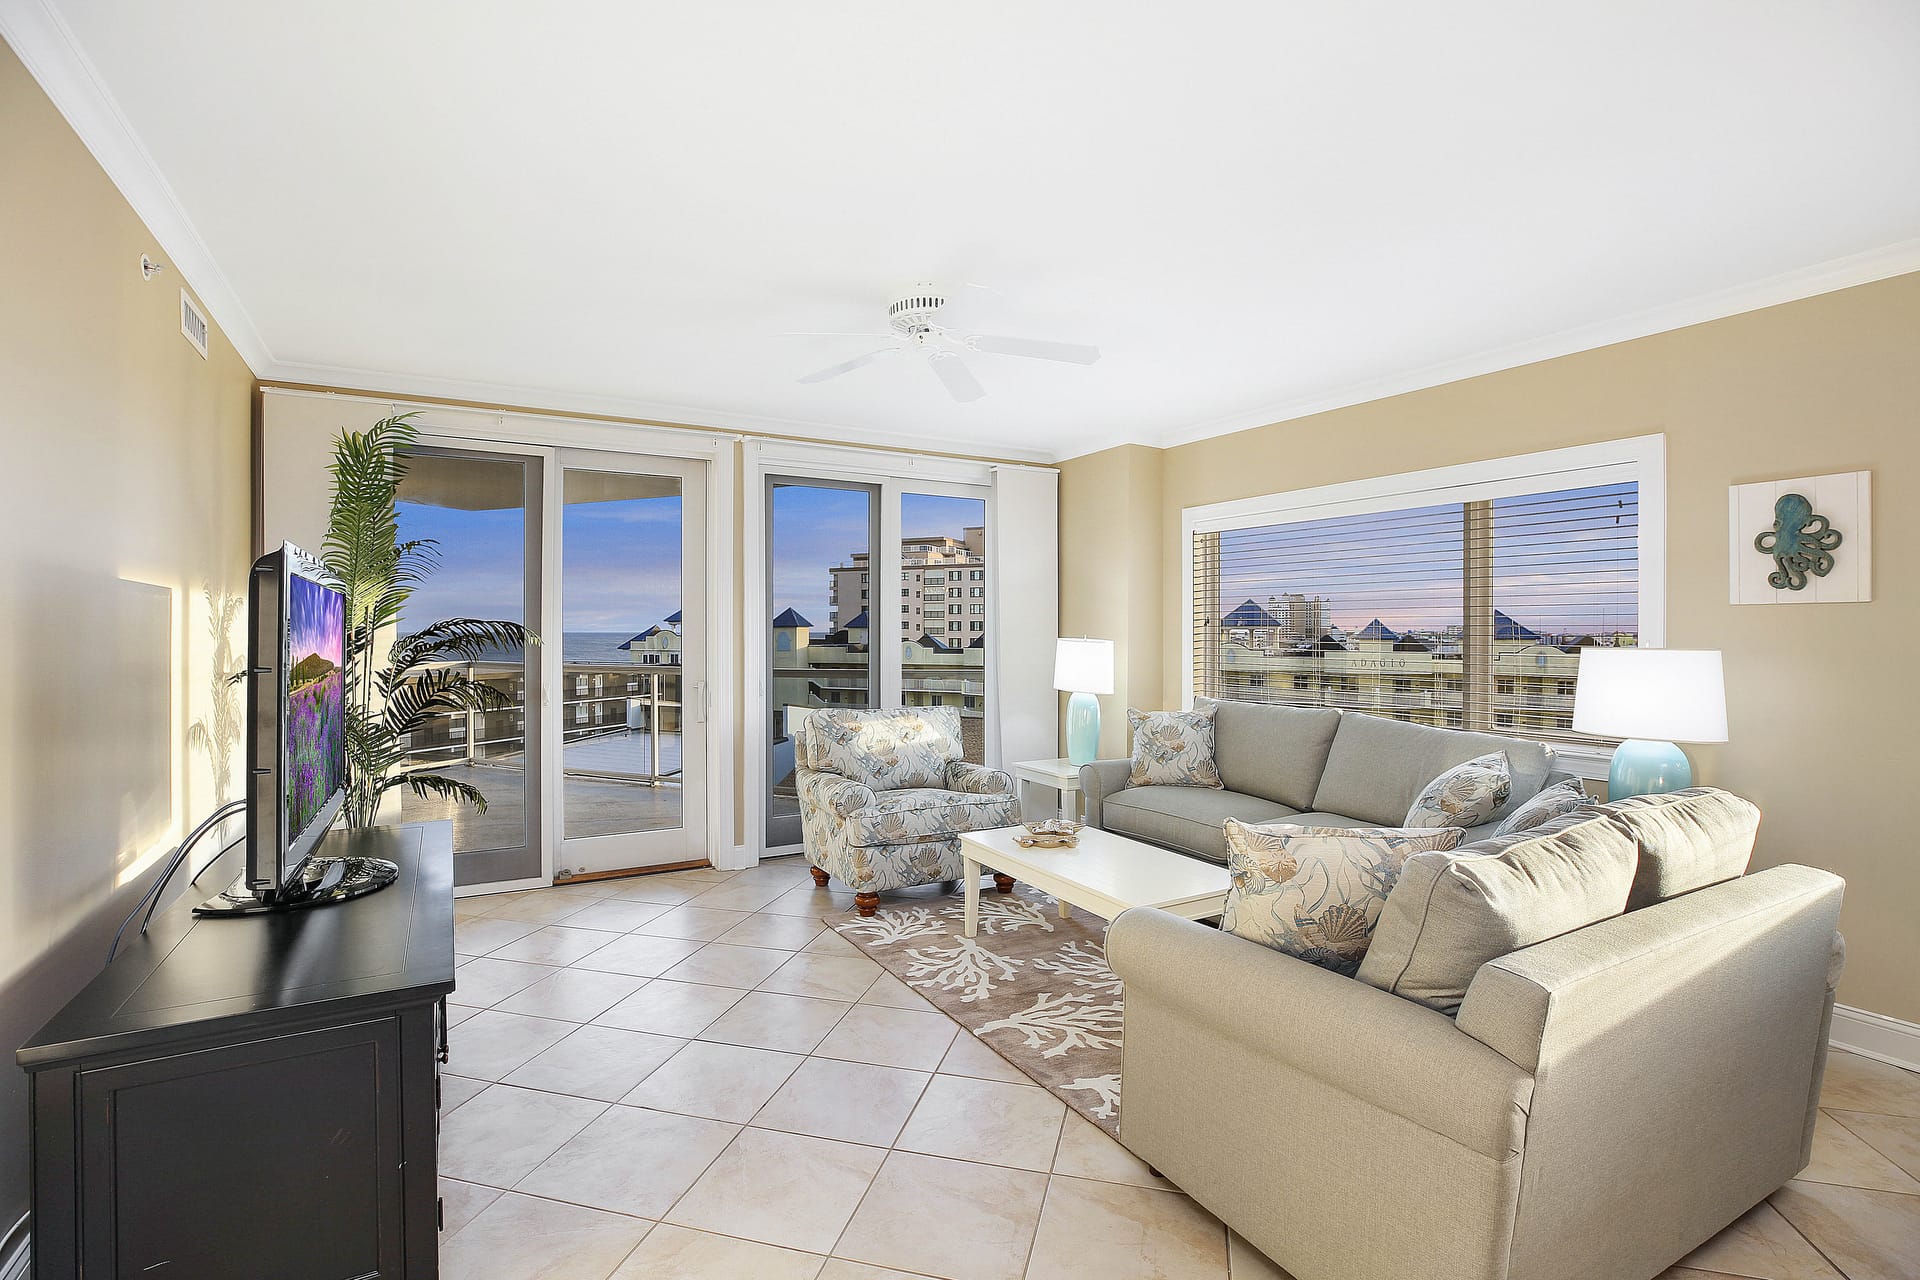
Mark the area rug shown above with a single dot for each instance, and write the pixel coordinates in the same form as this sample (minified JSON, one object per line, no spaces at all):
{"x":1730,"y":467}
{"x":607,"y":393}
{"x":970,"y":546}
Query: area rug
{"x":1031,"y":986}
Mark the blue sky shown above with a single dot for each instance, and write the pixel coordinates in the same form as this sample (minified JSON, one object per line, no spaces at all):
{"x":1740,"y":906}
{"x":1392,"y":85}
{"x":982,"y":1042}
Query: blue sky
{"x":621,"y":560}
{"x":1563,"y":562}
{"x":815,"y":529}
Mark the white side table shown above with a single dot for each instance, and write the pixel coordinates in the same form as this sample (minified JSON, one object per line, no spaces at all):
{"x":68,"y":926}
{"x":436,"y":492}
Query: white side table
{"x":1057,"y":775}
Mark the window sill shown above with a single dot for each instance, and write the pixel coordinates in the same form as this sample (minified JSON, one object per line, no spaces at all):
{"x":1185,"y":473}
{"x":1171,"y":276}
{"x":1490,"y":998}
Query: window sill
{"x":1590,"y":762}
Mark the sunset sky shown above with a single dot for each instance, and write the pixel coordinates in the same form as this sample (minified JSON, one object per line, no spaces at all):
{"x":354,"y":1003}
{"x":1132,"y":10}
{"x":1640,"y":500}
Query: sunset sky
{"x":315,"y":620}
{"x":1563,"y":562}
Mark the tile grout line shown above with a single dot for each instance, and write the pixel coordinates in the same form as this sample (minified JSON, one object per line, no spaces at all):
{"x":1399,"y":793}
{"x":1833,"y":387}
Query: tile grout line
{"x":1868,"y":1142}
{"x":1811,"y":1243}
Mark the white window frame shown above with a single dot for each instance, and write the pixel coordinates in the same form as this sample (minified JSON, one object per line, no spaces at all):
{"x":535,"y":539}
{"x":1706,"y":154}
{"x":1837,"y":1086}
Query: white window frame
{"x":1641,"y":459}
{"x":896,"y":474}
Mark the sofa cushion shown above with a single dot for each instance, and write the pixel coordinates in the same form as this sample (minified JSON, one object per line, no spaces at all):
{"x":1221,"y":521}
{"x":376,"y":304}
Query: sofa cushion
{"x":1185,"y":818}
{"x":910,"y":816}
{"x":1566,"y":796}
{"x":887,"y":750}
{"x":1688,"y":840}
{"x":1465,"y":795}
{"x":1274,"y":752}
{"x":1377,"y":766}
{"x":1173,"y":748}
{"x":1450,"y":913}
{"x":1315,"y":892}
{"x":1488,"y":841}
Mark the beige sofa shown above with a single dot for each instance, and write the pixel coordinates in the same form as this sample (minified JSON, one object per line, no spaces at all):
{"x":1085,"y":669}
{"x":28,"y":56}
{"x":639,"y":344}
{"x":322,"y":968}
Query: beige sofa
{"x":1602,"y":1103}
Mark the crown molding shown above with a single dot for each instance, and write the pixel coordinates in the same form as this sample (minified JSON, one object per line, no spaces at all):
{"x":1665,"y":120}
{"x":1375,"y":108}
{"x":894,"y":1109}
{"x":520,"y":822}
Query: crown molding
{"x":507,"y":397}
{"x":1896,"y":259}
{"x":46,"y":46}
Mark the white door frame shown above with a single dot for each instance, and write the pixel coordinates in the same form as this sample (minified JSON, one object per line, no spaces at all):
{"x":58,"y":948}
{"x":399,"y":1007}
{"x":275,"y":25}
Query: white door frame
{"x":542,"y":435}
{"x":631,"y":849}
{"x":895,"y":474}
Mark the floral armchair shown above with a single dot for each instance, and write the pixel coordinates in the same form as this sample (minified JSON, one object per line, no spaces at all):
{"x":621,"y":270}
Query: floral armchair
{"x":884,"y":796}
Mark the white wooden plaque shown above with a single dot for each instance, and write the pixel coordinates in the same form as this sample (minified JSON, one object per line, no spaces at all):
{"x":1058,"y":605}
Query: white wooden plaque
{"x":1843,"y":499}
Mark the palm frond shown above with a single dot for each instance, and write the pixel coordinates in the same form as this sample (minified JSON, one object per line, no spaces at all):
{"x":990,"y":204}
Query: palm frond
{"x":411,"y":701}
{"x":464,"y":638}
{"x":437,"y":786}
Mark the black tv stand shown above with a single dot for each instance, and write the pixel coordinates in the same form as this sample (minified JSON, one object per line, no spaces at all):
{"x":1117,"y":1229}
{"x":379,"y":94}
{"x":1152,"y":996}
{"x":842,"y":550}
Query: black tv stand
{"x":322,"y":882}
{"x":255,"y":1097}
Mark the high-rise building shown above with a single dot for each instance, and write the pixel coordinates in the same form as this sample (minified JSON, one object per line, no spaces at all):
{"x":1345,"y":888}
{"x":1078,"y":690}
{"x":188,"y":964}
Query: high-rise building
{"x":943,"y":588}
{"x":1300,"y":617}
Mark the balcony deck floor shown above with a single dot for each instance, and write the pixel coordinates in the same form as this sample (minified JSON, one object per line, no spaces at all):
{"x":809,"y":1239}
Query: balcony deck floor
{"x":595,"y":805}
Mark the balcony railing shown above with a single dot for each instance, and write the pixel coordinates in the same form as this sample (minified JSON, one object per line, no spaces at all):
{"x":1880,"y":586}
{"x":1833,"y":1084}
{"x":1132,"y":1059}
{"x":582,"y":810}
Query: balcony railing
{"x":649,"y":702}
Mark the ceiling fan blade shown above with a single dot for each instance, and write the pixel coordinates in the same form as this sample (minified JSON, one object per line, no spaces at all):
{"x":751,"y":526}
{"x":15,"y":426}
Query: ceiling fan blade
{"x":1071,"y":352}
{"x":848,"y":366}
{"x":956,"y":377}
{"x":830,"y":333}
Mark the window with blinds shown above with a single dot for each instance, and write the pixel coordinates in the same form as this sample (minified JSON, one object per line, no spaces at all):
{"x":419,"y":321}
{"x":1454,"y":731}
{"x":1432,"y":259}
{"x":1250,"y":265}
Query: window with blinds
{"x":1465,"y":614}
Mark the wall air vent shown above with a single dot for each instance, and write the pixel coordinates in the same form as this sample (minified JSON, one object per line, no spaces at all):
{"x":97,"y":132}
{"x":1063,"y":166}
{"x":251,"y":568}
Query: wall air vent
{"x":193,"y":324}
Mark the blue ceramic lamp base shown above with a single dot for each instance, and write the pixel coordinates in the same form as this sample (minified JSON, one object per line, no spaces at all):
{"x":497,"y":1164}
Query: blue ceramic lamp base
{"x":1083,"y":729}
{"x":1645,"y":768}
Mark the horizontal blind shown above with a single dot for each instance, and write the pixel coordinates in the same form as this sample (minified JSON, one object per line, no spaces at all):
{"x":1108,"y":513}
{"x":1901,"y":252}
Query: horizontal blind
{"x":1378,"y":612}
{"x":1361,"y":612}
{"x":1565,"y":575}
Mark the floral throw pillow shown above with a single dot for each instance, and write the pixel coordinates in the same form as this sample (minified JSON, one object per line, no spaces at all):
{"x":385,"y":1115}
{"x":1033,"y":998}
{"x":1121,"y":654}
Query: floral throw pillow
{"x":1465,"y":795}
{"x":1173,"y":748}
{"x":1562,"y":797}
{"x":1316,"y":892}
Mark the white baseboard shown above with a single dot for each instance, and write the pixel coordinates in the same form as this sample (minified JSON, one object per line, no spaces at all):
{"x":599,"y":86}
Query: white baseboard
{"x":1875,"y":1035}
{"x":16,"y":1253}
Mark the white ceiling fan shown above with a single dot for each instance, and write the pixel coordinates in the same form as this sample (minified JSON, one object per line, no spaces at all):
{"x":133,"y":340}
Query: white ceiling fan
{"x":913,"y":324}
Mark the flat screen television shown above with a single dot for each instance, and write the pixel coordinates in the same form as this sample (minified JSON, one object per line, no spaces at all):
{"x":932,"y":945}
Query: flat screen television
{"x":295,"y":741}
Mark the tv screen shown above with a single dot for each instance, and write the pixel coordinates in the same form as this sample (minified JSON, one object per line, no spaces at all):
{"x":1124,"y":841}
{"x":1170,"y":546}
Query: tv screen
{"x":315,"y":728}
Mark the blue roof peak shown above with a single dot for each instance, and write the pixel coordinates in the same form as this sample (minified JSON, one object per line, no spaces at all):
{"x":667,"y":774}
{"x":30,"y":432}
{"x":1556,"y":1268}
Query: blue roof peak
{"x":1249,"y":614}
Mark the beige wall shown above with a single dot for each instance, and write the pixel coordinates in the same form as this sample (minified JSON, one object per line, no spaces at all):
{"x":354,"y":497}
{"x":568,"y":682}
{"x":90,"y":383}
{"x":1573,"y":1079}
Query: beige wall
{"x":125,"y":525}
{"x":1822,"y":699}
{"x":1113,"y":586}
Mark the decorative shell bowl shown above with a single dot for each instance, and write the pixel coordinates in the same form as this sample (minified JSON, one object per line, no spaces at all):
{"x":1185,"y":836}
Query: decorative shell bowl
{"x":1053,"y":833}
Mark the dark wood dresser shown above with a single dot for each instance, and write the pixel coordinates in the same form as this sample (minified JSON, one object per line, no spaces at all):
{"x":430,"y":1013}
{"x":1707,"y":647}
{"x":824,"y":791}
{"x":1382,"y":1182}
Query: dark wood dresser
{"x":235,"y":1099}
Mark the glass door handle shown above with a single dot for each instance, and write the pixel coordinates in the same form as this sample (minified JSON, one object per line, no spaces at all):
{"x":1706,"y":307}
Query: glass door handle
{"x":700,"y":700}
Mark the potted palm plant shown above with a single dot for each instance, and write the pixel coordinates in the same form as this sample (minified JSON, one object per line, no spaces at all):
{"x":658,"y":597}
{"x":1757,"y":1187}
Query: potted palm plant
{"x":394,"y":689}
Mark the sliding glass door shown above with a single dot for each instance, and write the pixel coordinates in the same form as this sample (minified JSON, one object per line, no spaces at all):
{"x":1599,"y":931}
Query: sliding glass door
{"x":482,"y":512}
{"x":631,"y":707}
{"x":878,"y":596}
{"x":820,"y":609}
{"x":943,"y":603}
{"x":595,"y":759}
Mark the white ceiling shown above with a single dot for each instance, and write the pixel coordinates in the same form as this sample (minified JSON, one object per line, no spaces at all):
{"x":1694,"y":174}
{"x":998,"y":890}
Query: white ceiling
{"x":1255,"y":209}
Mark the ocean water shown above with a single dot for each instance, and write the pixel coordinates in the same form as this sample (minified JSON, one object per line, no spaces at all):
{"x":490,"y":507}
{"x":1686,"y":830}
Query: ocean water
{"x":596,"y":646}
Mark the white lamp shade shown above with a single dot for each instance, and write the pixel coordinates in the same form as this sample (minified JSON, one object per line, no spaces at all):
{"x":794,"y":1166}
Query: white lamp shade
{"x":1083,"y":666}
{"x":1669,"y":695}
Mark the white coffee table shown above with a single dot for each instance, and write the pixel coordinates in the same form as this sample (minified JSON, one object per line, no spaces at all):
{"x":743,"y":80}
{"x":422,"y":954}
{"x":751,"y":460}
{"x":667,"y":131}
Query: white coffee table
{"x":1105,"y":874}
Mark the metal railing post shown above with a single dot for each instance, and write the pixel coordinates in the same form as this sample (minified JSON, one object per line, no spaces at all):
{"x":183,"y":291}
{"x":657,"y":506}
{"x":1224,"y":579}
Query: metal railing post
{"x":653,"y":722}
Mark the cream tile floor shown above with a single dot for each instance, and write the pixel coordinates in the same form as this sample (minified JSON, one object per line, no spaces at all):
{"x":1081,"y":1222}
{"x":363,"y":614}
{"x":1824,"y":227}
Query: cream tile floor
{"x":687,"y":1077}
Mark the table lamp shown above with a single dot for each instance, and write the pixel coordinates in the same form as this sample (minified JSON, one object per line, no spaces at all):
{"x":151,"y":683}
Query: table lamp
{"x":1083,"y":668}
{"x":1652,"y":698}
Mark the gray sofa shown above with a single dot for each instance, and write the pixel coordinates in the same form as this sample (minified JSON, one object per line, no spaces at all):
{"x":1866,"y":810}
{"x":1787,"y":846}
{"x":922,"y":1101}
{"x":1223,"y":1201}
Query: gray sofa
{"x":1311,"y":765}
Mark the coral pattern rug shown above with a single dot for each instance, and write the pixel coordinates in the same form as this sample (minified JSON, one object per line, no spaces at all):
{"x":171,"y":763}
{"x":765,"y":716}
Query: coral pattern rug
{"x":1031,"y":986}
